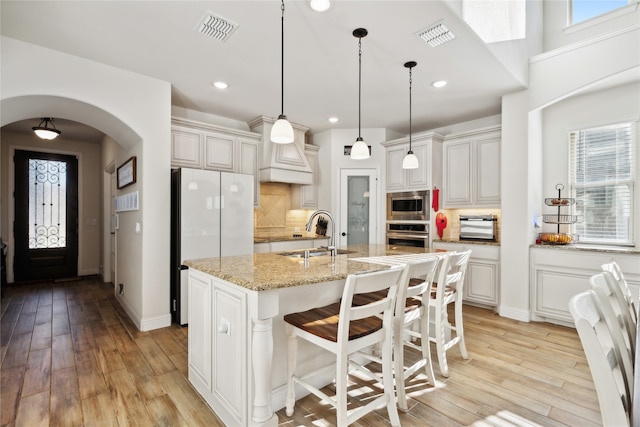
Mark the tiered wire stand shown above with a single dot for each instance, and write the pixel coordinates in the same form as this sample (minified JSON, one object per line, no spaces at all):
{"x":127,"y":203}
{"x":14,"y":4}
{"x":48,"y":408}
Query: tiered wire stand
{"x":559,"y":238}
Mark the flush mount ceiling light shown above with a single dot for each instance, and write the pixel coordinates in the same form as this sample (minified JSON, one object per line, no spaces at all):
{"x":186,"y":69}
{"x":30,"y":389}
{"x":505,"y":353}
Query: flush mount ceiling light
{"x":320,"y":5}
{"x":221,"y":85}
{"x":46,"y":132}
{"x":282,"y":131}
{"x":359,"y":151}
{"x":439,"y":83}
{"x":410,"y":161}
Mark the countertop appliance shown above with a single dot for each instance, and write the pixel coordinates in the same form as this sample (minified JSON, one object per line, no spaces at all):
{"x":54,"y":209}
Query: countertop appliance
{"x":478,"y":227}
{"x":211,"y":216}
{"x":408,"y":205}
{"x":413,"y":234}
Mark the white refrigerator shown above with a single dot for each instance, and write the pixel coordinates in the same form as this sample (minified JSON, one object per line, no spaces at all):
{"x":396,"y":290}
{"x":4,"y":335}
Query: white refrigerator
{"x":211,"y":216}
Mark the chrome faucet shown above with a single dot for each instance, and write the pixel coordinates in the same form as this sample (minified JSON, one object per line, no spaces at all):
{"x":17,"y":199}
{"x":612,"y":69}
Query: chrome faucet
{"x":332,"y":239}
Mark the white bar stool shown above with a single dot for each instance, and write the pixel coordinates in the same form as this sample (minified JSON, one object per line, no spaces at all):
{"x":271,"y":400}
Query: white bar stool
{"x":346,"y":330}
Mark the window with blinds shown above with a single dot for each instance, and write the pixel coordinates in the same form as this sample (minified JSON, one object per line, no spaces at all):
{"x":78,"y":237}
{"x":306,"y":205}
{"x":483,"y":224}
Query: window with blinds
{"x":602,"y":177}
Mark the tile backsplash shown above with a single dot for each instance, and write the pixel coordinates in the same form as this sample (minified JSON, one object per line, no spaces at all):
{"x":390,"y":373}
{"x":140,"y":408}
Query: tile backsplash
{"x":275,"y":217}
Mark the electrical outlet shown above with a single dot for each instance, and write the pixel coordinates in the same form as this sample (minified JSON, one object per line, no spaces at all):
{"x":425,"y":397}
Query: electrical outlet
{"x":121,"y":289}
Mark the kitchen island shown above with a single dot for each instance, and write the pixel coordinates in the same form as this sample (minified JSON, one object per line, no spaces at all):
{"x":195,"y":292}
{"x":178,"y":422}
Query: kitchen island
{"x":237,"y":340}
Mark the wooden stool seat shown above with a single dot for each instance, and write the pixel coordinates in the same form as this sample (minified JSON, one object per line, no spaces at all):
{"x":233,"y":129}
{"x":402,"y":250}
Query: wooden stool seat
{"x":323,"y":322}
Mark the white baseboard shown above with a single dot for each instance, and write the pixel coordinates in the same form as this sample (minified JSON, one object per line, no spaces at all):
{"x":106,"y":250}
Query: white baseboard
{"x":145,"y":324}
{"x":155,"y":322}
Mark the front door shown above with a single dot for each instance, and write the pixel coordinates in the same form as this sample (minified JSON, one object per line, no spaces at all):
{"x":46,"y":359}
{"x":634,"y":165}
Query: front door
{"x":46,"y":216}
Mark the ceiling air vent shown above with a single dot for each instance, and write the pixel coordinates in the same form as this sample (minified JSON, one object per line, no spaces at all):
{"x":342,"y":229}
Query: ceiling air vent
{"x":215,"y":26}
{"x":436,"y":34}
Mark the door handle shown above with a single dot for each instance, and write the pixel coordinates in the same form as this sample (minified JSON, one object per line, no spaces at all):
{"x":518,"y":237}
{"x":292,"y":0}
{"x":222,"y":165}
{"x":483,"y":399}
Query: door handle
{"x":344,"y":234}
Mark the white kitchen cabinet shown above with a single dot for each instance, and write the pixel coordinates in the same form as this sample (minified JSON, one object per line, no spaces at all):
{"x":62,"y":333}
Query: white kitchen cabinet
{"x":186,"y":147}
{"x":248,"y":154}
{"x":472,"y":169}
{"x":199,"y":333}
{"x":483,"y":272}
{"x":219,"y":152}
{"x":557,"y":274}
{"x":306,"y":196}
{"x":428,"y":149}
{"x":204,"y":146}
{"x":218,"y":346}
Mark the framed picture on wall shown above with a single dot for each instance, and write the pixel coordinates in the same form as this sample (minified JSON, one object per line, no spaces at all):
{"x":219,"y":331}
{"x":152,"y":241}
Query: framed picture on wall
{"x":127,"y":173}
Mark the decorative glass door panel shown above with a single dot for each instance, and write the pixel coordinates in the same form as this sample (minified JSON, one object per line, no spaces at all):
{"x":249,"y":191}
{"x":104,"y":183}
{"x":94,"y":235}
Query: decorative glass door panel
{"x":358,"y":207}
{"x":46,"y":216}
{"x":47,"y":204}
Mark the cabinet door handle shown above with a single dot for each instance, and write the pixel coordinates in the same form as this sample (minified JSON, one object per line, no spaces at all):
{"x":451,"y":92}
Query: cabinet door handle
{"x":223,"y":328}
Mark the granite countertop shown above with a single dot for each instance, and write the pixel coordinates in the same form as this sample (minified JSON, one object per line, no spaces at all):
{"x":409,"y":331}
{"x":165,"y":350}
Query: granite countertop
{"x":269,"y":271}
{"x":469,"y":242}
{"x":590,"y":248}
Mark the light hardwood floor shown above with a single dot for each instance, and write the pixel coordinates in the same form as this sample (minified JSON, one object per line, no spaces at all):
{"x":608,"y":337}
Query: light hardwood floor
{"x":71,"y":356}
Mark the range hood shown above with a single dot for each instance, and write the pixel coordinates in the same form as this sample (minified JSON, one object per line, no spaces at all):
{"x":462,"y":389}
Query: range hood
{"x":282,"y":162}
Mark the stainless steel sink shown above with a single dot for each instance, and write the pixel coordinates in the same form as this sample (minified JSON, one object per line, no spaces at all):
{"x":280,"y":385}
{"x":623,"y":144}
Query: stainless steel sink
{"x":314,"y":252}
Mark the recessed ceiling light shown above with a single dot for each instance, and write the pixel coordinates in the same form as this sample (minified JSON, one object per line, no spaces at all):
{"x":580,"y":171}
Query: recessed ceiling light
{"x":221,"y":85}
{"x":439,"y":83}
{"x":320,"y":5}
{"x":333,"y":119}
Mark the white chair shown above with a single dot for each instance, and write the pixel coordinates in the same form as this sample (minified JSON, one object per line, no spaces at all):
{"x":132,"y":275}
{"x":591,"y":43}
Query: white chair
{"x":604,"y":359}
{"x":449,"y":289}
{"x":410,"y":321}
{"x":346,"y":330}
{"x":607,"y":288}
{"x":613,"y":268}
{"x":411,"y":314}
{"x":611,"y":312}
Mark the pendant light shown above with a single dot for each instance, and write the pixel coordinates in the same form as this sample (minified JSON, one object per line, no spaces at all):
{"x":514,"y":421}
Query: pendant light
{"x":282,"y":131}
{"x":46,"y":132}
{"x":359,"y":150}
{"x":410,"y":161}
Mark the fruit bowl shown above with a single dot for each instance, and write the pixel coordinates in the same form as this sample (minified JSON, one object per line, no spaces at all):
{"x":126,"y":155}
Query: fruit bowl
{"x":557,"y":238}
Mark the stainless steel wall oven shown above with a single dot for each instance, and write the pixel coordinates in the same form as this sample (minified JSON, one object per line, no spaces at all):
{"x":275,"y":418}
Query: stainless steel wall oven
{"x":413,"y":234}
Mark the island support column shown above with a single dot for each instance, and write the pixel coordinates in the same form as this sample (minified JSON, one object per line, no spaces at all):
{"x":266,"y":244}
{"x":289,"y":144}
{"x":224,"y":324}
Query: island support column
{"x":263,"y":307}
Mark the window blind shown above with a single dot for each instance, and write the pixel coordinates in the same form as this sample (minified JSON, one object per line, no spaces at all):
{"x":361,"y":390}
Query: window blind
{"x":602,"y":177}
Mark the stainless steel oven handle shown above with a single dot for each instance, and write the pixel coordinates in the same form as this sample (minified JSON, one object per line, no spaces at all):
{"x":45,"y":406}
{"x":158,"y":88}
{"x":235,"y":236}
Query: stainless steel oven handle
{"x":407,"y":236}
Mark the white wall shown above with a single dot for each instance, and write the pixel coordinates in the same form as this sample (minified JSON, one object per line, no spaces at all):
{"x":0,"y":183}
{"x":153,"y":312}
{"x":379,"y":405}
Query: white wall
{"x":133,"y":110}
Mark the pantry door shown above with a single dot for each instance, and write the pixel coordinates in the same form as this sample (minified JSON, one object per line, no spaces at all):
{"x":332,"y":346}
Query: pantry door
{"x":358,"y":203}
{"x":46,"y":216}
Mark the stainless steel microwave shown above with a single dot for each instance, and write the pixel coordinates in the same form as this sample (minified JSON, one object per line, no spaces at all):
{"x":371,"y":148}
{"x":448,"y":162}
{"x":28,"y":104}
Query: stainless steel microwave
{"x":408,"y":205}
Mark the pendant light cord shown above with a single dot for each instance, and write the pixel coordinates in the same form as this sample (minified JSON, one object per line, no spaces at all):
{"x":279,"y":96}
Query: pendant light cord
{"x":359,"y":84}
{"x":410,"y":115}
{"x":282,"y":60}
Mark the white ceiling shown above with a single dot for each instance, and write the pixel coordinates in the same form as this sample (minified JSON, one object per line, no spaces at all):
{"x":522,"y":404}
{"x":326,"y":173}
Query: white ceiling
{"x":158,"y":39}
